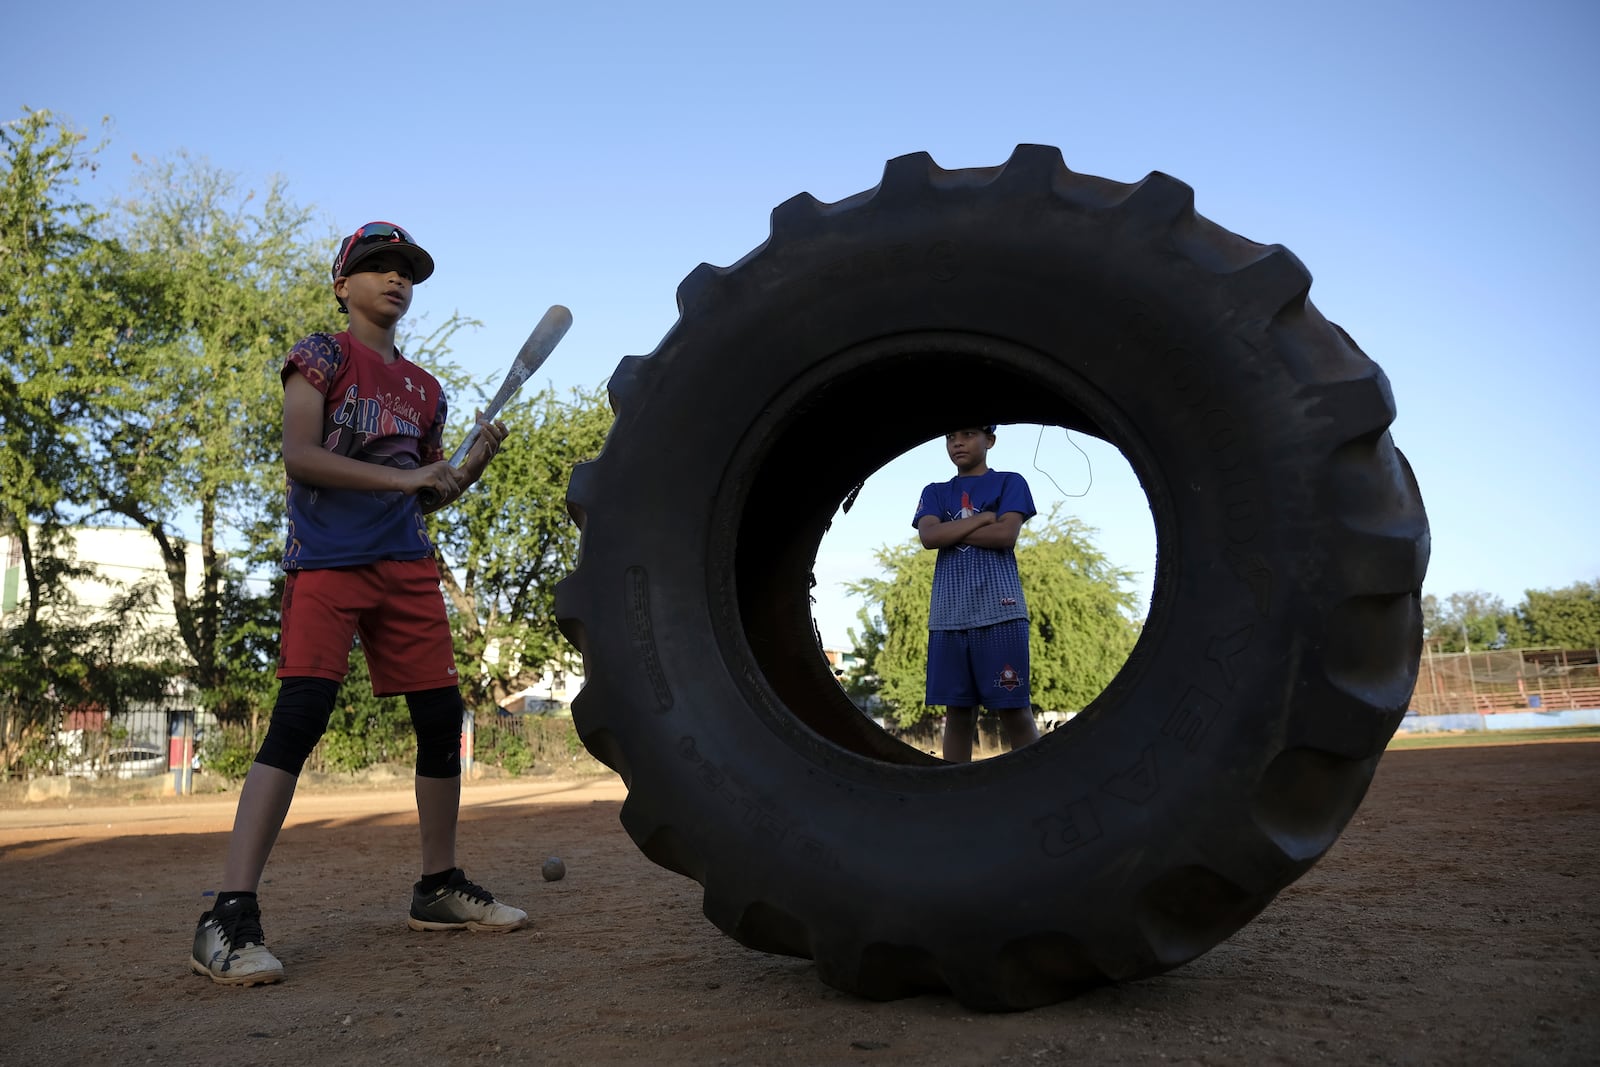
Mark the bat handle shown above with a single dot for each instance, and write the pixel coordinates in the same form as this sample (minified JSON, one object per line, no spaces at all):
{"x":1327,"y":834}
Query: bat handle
{"x":459,"y":456}
{"x":429,"y":498}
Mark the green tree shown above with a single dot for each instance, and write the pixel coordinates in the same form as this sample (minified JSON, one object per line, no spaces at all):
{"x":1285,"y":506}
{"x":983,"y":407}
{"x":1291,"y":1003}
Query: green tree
{"x":1476,"y":619}
{"x":42,"y":668}
{"x":247,"y":649}
{"x":141,"y":375}
{"x":508,"y":541}
{"x":62,"y":301}
{"x":1081,"y":618}
{"x":58,"y":658}
{"x":860,"y":682}
{"x":58,"y":315}
{"x":1561,"y":618}
{"x":893,"y":649}
{"x":227,"y":284}
{"x":365,"y":729}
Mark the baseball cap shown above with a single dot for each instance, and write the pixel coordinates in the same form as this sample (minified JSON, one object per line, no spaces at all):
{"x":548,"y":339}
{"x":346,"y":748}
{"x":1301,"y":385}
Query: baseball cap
{"x":377,"y":237}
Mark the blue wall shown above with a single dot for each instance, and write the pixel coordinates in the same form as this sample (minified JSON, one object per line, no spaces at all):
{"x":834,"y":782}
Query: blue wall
{"x":1505,"y":720}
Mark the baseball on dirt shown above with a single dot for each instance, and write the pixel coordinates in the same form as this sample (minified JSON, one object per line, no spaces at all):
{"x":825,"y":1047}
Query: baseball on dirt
{"x":553,"y":870}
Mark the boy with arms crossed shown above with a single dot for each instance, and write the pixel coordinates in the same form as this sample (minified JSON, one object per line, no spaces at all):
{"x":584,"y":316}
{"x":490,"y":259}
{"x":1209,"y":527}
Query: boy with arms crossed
{"x":977,"y":621}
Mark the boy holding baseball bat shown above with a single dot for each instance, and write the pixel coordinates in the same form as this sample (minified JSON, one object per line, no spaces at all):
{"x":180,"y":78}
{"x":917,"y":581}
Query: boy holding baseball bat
{"x":362,"y":443}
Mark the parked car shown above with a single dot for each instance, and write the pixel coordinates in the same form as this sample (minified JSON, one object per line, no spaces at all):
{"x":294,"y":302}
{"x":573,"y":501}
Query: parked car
{"x":124,"y":761}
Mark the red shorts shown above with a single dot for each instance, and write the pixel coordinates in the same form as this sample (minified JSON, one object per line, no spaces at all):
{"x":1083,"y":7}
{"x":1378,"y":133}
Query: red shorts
{"x":395,"y":606}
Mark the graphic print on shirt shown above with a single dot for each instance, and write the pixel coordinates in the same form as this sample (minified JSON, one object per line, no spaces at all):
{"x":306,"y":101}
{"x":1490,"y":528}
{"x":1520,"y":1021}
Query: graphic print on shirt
{"x":966,"y":512}
{"x":373,"y":419}
{"x":387,"y":412}
{"x":975,"y":586}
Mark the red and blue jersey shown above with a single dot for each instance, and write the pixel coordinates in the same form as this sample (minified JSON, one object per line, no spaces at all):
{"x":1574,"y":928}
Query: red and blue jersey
{"x":391,"y":413}
{"x":975,"y":586}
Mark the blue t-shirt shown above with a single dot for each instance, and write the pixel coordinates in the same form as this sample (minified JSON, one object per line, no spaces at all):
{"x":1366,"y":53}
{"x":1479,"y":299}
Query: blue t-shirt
{"x":975,"y":586}
{"x":391,"y":413}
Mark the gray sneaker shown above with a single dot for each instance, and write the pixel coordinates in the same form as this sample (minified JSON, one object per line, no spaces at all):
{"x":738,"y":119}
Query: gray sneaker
{"x":229,"y":947}
{"x":462,"y":905}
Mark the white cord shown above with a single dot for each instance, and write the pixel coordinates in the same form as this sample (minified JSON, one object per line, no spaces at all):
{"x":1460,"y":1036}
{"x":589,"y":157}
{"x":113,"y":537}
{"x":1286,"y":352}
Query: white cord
{"x":1038,"y":444}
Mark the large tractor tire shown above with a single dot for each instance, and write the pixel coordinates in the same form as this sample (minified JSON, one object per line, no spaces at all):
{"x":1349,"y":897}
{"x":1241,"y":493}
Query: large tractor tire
{"x":1227,"y":755}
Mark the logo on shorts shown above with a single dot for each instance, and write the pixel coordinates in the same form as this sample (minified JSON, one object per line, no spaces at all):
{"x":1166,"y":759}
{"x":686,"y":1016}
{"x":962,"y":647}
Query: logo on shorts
{"x":1009,"y":678}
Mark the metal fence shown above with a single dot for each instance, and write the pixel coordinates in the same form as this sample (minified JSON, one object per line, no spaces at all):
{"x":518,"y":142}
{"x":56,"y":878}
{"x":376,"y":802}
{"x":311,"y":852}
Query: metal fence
{"x":513,"y":743}
{"x":1462,"y":683}
{"x":1539,"y":679}
{"x":518,"y":743}
{"x":154,"y":741}
{"x":132,"y":743}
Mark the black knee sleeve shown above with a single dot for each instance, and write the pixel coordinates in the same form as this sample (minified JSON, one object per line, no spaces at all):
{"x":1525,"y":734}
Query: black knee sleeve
{"x":299,"y":720}
{"x":436,"y":717}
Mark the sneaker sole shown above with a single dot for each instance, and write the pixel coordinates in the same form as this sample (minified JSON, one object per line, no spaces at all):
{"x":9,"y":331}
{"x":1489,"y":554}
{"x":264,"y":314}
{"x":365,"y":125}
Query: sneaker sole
{"x":259,"y":978}
{"x":476,"y":927}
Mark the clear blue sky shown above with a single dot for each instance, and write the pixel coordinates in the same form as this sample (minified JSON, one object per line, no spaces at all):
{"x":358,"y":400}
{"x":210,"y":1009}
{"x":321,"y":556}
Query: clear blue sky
{"x":1434,"y":166}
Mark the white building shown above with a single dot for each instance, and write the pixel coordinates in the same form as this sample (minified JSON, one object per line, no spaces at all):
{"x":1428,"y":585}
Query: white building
{"x":115,"y":562}
{"x":116,"y":559}
{"x":549,"y":694}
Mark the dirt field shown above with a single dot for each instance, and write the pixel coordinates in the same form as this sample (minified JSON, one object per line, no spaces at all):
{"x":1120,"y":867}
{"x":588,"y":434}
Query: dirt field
{"x":1457,"y":921}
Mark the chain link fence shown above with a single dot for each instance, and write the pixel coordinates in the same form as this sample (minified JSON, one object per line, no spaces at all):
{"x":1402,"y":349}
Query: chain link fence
{"x":141,"y":742}
{"x":1509,"y":680}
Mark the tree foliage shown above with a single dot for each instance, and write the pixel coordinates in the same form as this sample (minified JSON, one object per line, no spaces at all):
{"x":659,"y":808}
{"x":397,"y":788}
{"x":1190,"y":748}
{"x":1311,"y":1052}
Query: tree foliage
{"x":1081,"y":618}
{"x":61,"y":306}
{"x":1561,"y":618}
{"x":509,"y":539}
{"x":1472,"y":619}
{"x":141,"y":350}
{"x":55,"y":659}
{"x":1545,"y":618}
{"x":56,"y":319}
{"x":229,"y":284}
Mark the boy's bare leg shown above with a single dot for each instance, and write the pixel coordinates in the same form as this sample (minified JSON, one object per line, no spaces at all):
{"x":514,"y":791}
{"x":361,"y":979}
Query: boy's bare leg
{"x":1019,"y":726}
{"x":958,"y":726}
{"x":457,"y":904}
{"x":263,"y":805}
{"x":438,"y":808}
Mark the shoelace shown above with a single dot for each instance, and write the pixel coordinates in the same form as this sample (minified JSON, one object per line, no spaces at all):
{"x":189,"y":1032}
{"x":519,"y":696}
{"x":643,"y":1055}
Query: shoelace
{"x":240,"y":926}
{"x":471,"y":889}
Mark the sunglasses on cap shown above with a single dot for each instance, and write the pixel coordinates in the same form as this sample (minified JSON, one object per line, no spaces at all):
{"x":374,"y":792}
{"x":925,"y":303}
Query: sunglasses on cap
{"x":371,"y":233}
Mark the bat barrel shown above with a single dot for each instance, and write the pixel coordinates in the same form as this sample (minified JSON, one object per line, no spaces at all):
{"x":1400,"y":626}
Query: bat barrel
{"x":552,"y":327}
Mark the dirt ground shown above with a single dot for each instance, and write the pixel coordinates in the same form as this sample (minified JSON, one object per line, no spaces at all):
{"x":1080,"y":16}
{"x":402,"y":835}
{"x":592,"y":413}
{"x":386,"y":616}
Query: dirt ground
{"x":1457,"y":921}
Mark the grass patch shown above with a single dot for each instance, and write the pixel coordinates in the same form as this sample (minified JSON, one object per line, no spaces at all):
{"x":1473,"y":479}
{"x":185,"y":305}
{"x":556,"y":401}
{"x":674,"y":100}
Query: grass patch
{"x":1496,"y":737}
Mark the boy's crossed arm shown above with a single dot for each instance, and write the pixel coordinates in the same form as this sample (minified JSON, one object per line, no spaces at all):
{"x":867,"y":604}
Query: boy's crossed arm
{"x":985,"y":529}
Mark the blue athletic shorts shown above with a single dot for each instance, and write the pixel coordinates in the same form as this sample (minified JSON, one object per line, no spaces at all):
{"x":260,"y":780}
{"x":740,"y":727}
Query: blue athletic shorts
{"x":987,"y":665}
